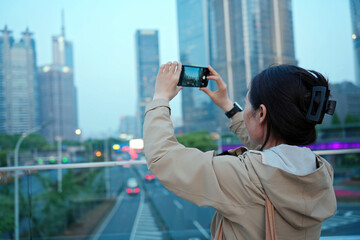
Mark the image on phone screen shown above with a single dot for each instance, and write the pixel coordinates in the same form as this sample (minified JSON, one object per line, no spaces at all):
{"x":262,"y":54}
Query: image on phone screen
{"x":192,"y":76}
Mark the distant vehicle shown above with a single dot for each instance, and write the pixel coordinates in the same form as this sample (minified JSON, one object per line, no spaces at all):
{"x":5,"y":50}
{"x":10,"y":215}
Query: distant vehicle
{"x":149,"y":177}
{"x":132,"y":186}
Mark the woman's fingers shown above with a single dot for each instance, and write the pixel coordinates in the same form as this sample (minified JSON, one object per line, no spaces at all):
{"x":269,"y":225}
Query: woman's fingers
{"x":207,"y":91}
{"x":167,"y":66}
{"x":220,"y":83}
{"x":177,"y":68}
{"x":162,"y":68}
{"x":172,"y":67}
{"x":212,"y":71}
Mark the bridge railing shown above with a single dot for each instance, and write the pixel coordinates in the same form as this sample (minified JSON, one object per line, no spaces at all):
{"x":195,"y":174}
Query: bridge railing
{"x":92,"y":201}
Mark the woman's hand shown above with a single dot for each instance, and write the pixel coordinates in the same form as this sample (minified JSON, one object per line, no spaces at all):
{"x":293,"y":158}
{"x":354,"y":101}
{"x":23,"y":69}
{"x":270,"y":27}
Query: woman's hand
{"x":167,"y":80}
{"x":219,"y":97}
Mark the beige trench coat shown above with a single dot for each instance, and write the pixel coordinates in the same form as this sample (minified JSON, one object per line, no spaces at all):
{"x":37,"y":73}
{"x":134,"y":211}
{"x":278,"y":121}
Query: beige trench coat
{"x":235,"y":186}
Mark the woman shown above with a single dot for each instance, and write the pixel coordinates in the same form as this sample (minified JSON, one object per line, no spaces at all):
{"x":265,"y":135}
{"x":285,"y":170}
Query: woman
{"x":283,"y":106}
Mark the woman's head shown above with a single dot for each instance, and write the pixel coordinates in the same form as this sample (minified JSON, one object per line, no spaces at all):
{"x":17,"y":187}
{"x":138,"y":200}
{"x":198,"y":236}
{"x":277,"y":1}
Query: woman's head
{"x":283,"y":95}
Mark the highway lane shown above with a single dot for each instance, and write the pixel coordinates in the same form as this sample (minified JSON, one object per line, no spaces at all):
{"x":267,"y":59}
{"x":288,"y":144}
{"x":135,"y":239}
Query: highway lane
{"x":183,"y":219}
{"x":119,"y":222}
{"x":171,"y":216}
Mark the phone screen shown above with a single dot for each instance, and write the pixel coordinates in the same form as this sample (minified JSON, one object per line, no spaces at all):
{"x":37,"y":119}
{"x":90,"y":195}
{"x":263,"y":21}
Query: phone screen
{"x":192,"y":76}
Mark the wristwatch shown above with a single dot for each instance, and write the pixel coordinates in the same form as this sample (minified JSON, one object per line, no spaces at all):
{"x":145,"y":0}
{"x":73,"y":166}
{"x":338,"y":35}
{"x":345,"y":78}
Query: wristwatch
{"x":237,"y":108}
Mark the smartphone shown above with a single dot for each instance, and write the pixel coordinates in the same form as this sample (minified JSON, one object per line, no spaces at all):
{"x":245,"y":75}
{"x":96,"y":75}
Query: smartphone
{"x":192,"y":76}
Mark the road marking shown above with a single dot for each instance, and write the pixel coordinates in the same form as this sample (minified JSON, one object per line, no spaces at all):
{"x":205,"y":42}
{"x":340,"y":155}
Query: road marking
{"x":137,"y":218}
{"x":178,"y":204}
{"x":109,"y":216}
{"x":201,"y":229}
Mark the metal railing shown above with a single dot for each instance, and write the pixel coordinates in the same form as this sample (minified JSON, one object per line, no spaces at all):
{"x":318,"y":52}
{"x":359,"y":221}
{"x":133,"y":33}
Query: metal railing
{"x":134,"y":162}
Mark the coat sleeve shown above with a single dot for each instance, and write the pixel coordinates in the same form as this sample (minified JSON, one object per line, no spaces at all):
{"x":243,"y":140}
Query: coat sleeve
{"x":199,"y":177}
{"x":239,"y":129}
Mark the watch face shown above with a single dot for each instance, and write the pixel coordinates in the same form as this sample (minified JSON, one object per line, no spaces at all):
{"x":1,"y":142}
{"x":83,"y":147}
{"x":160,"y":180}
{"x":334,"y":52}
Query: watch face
{"x":241,"y":109}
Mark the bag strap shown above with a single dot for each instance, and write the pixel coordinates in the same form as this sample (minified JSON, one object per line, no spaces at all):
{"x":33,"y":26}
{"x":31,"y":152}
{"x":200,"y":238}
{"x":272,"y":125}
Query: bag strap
{"x":219,"y":235}
{"x":269,"y":220}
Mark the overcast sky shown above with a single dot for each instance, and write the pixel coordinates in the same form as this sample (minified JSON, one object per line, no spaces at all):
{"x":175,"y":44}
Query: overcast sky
{"x":103,"y":36}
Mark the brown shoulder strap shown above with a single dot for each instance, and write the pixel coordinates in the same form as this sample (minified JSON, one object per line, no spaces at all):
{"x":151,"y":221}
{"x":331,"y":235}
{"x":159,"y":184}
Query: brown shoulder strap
{"x":269,"y":220}
{"x":219,"y":235}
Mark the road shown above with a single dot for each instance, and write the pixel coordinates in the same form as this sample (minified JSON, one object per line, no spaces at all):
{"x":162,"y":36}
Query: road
{"x":155,"y":213}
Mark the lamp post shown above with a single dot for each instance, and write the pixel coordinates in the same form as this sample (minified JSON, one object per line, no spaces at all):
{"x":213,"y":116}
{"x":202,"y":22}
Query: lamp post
{"x":107,"y":177}
{"x":78,"y":133}
{"x":16,"y":180}
{"x":59,"y":152}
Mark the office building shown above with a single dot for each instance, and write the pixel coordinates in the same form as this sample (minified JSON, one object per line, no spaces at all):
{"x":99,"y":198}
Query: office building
{"x":58,"y":106}
{"x":355,"y":17}
{"x":18,"y":83}
{"x":58,"y":96}
{"x":128,"y":126}
{"x":147,"y":65}
{"x":62,"y":49}
{"x":238,"y":38}
{"x":198,"y":111}
{"x":248,"y":36}
{"x":346,"y":95}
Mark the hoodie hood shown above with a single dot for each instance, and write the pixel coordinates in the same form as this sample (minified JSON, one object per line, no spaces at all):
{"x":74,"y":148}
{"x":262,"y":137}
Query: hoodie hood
{"x":302,"y":195}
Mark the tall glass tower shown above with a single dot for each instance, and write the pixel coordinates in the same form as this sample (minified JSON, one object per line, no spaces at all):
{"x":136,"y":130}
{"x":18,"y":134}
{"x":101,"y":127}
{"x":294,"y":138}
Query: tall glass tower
{"x":18,"y":83}
{"x":198,"y":111}
{"x":355,"y":16}
{"x":58,"y":95}
{"x":147,"y":65}
{"x":247,"y":36}
{"x":239,"y":38}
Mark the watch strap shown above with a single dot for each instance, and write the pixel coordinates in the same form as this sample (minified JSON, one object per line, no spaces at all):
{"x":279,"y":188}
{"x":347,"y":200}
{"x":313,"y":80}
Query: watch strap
{"x":237,"y":108}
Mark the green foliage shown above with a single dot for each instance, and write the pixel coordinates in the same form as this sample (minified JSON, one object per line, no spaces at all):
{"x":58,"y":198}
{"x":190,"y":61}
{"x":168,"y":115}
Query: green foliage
{"x":350,"y":118}
{"x":3,"y":160}
{"x":350,"y":161}
{"x":34,"y":140}
{"x":58,"y":209}
{"x":198,"y":139}
{"x":8,"y":141}
{"x":335,"y":120}
{"x":71,"y":143}
{"x":6,"y":210}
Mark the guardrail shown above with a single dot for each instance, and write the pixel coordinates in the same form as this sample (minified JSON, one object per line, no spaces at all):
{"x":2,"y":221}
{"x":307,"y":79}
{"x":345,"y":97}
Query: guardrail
{"x":134,"y":162}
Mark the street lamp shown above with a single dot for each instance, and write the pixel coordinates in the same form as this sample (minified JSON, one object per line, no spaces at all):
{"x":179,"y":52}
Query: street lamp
{"x":16,"y":181}
{"x":59,"y":151}
{"x":106,"y":159}
{"x":78,"y":131}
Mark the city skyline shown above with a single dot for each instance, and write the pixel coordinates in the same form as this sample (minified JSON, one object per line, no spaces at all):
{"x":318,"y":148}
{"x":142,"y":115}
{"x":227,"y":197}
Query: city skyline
{"x":104,"y":40}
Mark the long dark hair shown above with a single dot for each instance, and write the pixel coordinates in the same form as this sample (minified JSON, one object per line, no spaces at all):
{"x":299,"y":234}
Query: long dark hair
{"x":286,"y":92}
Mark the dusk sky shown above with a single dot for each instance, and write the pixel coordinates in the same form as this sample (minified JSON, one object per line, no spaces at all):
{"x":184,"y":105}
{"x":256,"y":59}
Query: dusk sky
{"x":103,"y":36}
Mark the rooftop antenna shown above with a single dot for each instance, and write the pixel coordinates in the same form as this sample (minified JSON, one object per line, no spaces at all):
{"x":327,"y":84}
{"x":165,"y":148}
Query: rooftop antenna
{"x":62,"y":23}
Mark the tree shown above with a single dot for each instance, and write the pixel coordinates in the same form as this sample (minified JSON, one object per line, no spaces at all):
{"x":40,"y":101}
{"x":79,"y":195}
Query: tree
{"x":6,"y":211}
{"x":351,"y":118}
{"x":198,"y":139}
{"x":335,"y":120}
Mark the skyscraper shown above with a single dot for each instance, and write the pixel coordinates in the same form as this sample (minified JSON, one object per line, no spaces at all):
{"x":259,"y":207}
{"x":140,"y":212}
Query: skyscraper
{"x":58,"y":97}
{"x":58,"y":106}
{"x":355,"y":16}
{"x":239,"y":38}
{"x":197,"y":107}
{"x":248,"y":36}
{"x":18,"y":83}
{"x":147,"y":65}
{"x":128,"y":126}
{"x":62,"y":48}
